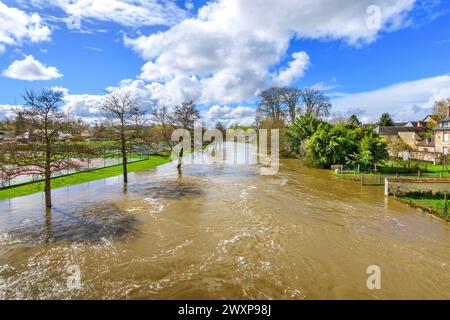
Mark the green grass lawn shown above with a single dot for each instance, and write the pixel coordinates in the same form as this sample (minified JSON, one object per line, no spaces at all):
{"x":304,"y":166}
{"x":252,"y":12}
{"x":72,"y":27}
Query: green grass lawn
{"x":429,"y":203}
{"x":436,"y":207}
{"x":392,"y":167}
{"x":83,"y":177}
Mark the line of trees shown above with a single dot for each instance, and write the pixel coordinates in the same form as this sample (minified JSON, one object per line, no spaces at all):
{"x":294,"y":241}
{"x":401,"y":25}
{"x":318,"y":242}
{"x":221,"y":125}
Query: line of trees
{"x":42,"y":153}
{"x":282,"y":105}
{"x":299,"y":114}
{"x":125,"y":126}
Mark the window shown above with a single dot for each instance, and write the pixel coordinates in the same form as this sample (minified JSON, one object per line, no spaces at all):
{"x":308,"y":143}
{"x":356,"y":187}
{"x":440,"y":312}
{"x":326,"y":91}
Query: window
{"x":445,"y":137}
{"x":445,"y":150}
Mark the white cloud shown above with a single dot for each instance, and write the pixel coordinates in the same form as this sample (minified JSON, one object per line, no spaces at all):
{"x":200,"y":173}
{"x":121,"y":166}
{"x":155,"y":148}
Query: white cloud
{"x":295,"y":70}
{"x":322,"y":86}
{"x":31,"y":69}
{"x":16,"y":26}
{"x":405,"y":101}
{"x":8,"y":111}
{"x":83,"y":105}
{"x":130,"y":13}
{"x":229,"y":115}
{"x":87,"y":106}
{"x":226,"y":52}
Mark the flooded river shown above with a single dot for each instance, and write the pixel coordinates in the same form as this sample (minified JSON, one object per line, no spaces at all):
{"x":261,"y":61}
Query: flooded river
{"x":221,"y":232}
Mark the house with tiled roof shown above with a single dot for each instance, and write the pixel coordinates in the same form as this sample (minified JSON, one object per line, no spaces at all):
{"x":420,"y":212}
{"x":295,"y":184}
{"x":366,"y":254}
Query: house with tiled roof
{"x":409,"y":134}
{"x":431,"y":120}
{"x":412,"y":134}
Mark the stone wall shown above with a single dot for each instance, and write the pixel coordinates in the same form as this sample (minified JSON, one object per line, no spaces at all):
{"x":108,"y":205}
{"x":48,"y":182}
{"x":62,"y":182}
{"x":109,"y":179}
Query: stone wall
{"x":403,"y":186}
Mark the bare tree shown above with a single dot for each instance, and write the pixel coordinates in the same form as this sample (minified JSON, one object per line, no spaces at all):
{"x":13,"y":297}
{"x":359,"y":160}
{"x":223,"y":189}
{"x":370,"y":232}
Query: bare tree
{"x":185,"y":115}
{"x":163,"y":120}
{"x":122,"y":110}
{"x":270,"y":104}
{"x":291,"y":97}
{"x":315,"y":102}
{"x":42,"y":153}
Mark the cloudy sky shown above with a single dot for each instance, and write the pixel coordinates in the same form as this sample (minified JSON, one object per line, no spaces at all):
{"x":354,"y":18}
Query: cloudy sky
{"x":367,"y":56}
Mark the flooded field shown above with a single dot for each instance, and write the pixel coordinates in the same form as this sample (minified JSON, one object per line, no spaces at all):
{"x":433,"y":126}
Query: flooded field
{"x":221,"y":232}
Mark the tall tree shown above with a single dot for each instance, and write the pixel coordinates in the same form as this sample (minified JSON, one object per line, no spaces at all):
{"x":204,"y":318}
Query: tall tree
{"x":185,"y":115}
{"x":42,"y":154}
{"x":122,"y":110}
{"x":291,"y":97}
{"x":386,"y":120}
{"x":47,"y":122}
{"x":372,"y":149}
{"x":331,"y":145}
{"x":163,"y":120}
{"x":270,"y":105}
{"x":301,"y":130}
{"x":315,"y":103}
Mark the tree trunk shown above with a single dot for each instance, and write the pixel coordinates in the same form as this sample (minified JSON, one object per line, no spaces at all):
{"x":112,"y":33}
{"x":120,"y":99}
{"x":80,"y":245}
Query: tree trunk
{"x":124,"y":159}
{"x":48,"y":183}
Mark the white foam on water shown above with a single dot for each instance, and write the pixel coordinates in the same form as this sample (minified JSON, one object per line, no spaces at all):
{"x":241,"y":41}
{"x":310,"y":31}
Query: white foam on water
{"x":155,"y":205}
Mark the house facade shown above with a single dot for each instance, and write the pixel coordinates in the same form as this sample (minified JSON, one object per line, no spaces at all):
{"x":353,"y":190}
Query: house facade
{"x":413,"y":135}
{"x":442,"y":135}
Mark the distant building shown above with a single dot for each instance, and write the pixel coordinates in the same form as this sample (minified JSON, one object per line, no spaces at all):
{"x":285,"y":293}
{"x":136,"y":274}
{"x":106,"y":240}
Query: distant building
{"x":431,"y":120}
{"x":409,"y":134}
{"x":442,"y":135}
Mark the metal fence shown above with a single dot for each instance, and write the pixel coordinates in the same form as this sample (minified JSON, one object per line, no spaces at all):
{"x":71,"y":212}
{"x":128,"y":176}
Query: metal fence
{"x":108,"y":158}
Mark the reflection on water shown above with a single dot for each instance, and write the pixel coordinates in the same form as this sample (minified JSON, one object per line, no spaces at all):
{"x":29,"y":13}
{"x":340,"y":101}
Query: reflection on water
{"x":222,"y":232}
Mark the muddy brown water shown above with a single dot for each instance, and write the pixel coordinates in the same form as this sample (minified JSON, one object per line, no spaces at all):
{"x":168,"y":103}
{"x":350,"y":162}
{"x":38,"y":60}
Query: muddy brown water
{"x":221,"y":232}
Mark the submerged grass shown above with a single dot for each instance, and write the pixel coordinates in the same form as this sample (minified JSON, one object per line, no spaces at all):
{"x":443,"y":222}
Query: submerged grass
{"x":83,"y":177}
{"x":431,"y":206}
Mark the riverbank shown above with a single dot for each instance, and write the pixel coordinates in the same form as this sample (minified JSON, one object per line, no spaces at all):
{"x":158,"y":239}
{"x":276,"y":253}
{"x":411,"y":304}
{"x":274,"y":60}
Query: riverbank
{"x":83,"y":177}
{"x":430,"y":206}
{"x":433,"y":206}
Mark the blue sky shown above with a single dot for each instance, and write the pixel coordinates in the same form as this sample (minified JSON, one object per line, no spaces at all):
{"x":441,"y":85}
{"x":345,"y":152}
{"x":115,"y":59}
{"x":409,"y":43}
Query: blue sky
{"x":167,"y":52}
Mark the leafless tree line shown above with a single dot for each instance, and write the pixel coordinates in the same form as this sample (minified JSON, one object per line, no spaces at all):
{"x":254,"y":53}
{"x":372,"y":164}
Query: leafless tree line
{"x":284,"y":104}
{"x":43,"y":153}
